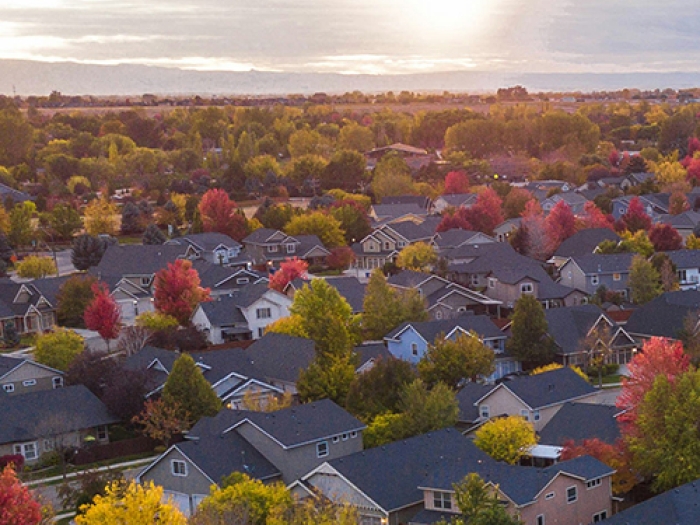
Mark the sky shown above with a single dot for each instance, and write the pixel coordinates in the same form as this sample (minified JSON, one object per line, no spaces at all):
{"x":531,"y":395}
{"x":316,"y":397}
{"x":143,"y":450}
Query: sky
{"x":358,"y":36}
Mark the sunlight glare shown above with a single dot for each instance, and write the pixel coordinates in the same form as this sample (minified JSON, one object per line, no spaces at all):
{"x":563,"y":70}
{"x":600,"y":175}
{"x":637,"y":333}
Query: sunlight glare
{"x":448,"y":18}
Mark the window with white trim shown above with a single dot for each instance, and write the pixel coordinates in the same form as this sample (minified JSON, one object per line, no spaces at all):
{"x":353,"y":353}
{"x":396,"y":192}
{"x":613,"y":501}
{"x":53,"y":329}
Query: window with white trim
{"x":48,"y":445}
{"x":571,"y":494}
{"x":242,"y":280}
{"x":540,"y":519}
{"x":484,"y":411}
{"x":291,"y":248}
{"x":336,"y":439}
{"x":617,"y":276}
{"x":526,"y":288}
{"x":272,"y":248}
{"x":102,"y":433}
{"x":9,"y":387}
{"x":29,"y":382}
{"x":550,"y":496}
{"x":442,"y":500}
{"x":261,"y":332}
{"x":345,"y":436}
{"x":178,"y":468}
{"x":57,"y":381}
{"x":597,"y":482}
{"x":438,"y":315}
{"x":28,"y":450}
{"x":600,"y":516}
{"x":263,"y":313}
{"x":414,"y":348}
{"x":322,"y":449}
{"x":535,"y":415}
{"x":492,"y":282}
{"x":145,"y":281}
{"x":353,"y":434}
{"x":595,"y":280}
{"x":525,"y":414}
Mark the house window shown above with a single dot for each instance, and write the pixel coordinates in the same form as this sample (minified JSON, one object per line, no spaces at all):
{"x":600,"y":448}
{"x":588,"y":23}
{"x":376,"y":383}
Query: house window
{"x":682,"y":275}
{"x":617,"y":276}
{"x":336,"y":439}
{"x":540,"y":519}
{"x":261,"y":332}
{"x":242,"y":280}
{"x":345,"y":437}
{"x":600,"y":516}
{"x":484,"y":411}
{"x":414,"y":348}
{"x":48,"y":445}
{"x":272,"y":249}
{"x":291,"y":248}
{"x":438,"y":315}
{"x":594,"y":483}
{"x":492,"y":282}
{"x":549,"y":496}
{"x":102,"y":433}
{"x":387,"y":246}
{"x":178,"y":468}
{"x":27,"y":450}
{"x":525,"y":414}
{"x":526,"y":288}
{"x":263,"y":313}
{"x":401,"y":244}
{"x":595,"y":280}
{"x":535,"y":415}
{"x":145,"y":281}
{"x":474,"y":279}
{"x":29,"y":382}
{"x":353,"y":434}
{"x":9,"y":387}
{"x":571,"y":494}
{"x":442,"y":500}
{"x":322,"y":449}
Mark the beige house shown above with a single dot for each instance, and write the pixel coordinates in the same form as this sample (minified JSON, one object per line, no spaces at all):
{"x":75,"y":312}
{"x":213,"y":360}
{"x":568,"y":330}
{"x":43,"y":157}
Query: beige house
{"x":22,"y":376}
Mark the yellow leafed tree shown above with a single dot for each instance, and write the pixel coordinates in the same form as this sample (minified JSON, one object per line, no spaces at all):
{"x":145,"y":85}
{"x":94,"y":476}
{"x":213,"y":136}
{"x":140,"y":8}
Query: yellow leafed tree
{"x":506,"y":439}
{"x":101,"y":217}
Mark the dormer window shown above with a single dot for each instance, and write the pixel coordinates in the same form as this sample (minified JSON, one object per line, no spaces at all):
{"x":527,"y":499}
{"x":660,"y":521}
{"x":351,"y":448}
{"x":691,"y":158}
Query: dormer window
{"x":291,"y":248}
{"x":526,"y":288}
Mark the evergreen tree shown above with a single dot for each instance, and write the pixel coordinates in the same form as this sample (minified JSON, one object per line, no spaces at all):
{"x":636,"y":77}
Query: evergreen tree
{"x":187,"y":389}
{"x":73,"y":298}
{"x":6,"y":251}
{"x":131,"y":219}
{"x":87,"y":251}
{"x":153,"y":235}
{"x":530,"y":341}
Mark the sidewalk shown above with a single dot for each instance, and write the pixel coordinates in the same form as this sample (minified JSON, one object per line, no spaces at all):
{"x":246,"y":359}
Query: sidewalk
{"x":116,"y":466}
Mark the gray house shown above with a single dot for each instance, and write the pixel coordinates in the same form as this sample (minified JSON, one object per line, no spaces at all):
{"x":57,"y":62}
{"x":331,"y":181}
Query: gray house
{"x":282,"y":445}
{"x":20,"y":376}
{"x":666,"y":316}
{"x":590,"y":272}
{"x":212,"y":247}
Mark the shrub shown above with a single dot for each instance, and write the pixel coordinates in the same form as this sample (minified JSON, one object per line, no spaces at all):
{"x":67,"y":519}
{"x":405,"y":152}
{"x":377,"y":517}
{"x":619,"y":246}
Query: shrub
{"x":17,"y":460}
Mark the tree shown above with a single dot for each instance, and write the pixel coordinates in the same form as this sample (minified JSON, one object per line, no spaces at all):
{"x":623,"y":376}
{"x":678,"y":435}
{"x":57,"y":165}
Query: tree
{"x":615,"y":456}
{"x":560,"y":224}
{"x":340,"y":258}
{"x":36,"y":267}
{"x":21,"y":229}
{"x":452,"y":361}
{"x":419,"y":257}
{"x":636,"y":217}
{"x":456,"y":182}
{"x":425,"y":410}
{"x":384,"y":308}
{"x":132,"y":221}
{"x":189,"y":392}
{"x":514,"y":203}
{"x":92,"y":370}
{"x":392,"y":176}
{"x":58,"y":349}
{"x":101,"y":217}
{"x":530,"y":341}
{"x":132,"y":503}
{"x":219,"y":214}
{"x":346,"y":170}
{"x":593,"y":217}
{"x":678,"y":203}
{"x":480,"y":504}
{"x":533,"y":234}
{"x":318,"y":223}
{"x":644,"y":281}
{"x":156,"y":321}
{"x":353,"y":220}
{"x":328,"y":377}
{"x":125,"y":391}
{"x":87,"y":251}
{"x":356,"y":138}
{"x":64,"y":221}
{"x":10,"y":336}
{"x":665,"y":238}
{"x":506,"y":439}
{"x":103,"y":314}
{"x":153,"y":236}
{"x":177,"y":291}
{"x":486,"y":213}
{"x":132,"y":339}
{"x":161,"y":420}
{"x":86,"y":484}
{"x":73,"y":297}
{"x":378,"y":390}
{"x":17,"y":505}
{"x":290,"y":269}
{"x":15,"y":137}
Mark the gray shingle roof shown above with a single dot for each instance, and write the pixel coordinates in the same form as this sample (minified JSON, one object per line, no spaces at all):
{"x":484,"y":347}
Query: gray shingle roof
{"x":281,"y":356}
{"x":459,"y":199}
{"x":429,"y":330}
{"x":684,"y":259}
{"x":604,"y":263}
{"x":375,"y":351}
{"x":61,"y":410}
{"x":308,"y":243}
{"x":568,"y":424}
{"x":678,"y":506}
{"x":454,"y":237}
{"x":223,"y":311}
{"x":137,"y":259}
{"x":394,"y":211}
{"x":351,"y":289}
{"x":664,"y":316}
{"x":467,"y":398}
{"x":260,"y":236}
{"x":687,"y":220}
{"x":207,"y":241}
{"x":411,"y":231}
{"x":408,"y":278}
{"x":568,"y":326}
{"x":8,"y":363}
{"x":585,"y":241}
{"x":549,"y":388}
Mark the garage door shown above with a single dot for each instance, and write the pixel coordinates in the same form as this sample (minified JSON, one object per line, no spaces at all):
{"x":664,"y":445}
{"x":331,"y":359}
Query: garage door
{"x":182,"y":501}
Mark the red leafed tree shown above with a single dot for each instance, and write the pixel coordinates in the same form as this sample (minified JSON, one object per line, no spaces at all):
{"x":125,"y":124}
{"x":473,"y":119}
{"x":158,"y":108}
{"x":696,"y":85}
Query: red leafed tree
{"x":534,"y":231}
{"x":103,"y":314}
{"x":17,"y":506}
{"x":693,"y":169}
{"x":693,"y":146}
{"x":456,"y":182}
{"x":486,"y":212}
{"x":593,"y":217}
{"x":514,"y":203}
{"x":614,"y":158}
{"x":560,"y":224}
{"x":658,"y":356}
{"x":665,"y":238}
{"x":340,"y":258}
{"x":636,"y":217}
{"x":219,"y":214}
{"x":289,"y":270}
{"x":614,"y":456}
{"x":454,"y":220}
{"x":678,"y":203}
{"x":178,"y":290}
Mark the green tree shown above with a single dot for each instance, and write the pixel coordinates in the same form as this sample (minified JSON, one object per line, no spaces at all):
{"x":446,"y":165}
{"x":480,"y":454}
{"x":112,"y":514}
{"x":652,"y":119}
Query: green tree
{"x":328,"y":377}
{"x":644,"y":281}
{"x":152,"y":235}
{"x":21,"y":230}
{"x":480,"y":504}
{"x":385,"y":308}
{"x":479,"y":138}
{"x":87,"y":251}
{"x":392,"y":176}
{"x":452,"y":361}
{"x":306,"y":167}
{"x":506,"y":439}
{"x":356,"y":138}
{"x":324,"y":226}
{"x":65,"y":221}
{"x":530,"y":341}
{"x":346,"y":170}
{"x":58,"y":349}
{"x":72,"y":299}
{"x":419,"y":256}
{"x":35,"y":267}
{"x":16,"y":136}
{"x":187,"y":389}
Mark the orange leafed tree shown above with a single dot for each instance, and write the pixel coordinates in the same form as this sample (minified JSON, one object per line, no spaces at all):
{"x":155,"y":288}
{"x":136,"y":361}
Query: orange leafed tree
{"x":17,"y":506}
{"x":178,"y":290}
{"x":614,"y":456}
{"x":103,"y":313}
{"x":456,"y":182}
{"x":219,"y":215}
{"x":560,"y":224}
{"x":290,"y":269}
{"x":593,"y":217}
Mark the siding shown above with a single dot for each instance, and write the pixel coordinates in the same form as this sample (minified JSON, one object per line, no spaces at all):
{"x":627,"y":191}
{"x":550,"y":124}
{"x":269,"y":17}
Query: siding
{"x":194,"y":483}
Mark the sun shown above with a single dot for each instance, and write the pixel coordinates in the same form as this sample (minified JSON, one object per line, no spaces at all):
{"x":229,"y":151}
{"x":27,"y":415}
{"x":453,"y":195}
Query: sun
{"x":448,"y":18}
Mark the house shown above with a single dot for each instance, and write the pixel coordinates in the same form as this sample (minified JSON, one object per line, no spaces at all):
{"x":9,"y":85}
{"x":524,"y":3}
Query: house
{"x":132,"y":299}
{"x":540,"y":189}
{"x":453,"y":200}
{"x":566,"y":425}
{"x":687,"y":263}
{"x":655,"y":205}
{"x":266,"y":246}
{"x":397,"y":212}
{"x":636,"y":179}
{"x":570,"y":328}
{"x":415,"y":158}
{"x":137,"y":263}
{"x":536,"y":398}
{"x":575,"y":201}
{"x":216,"y":248}
{"x":684,"y":223}
{"x":665,"y":316}
{"x":225,"y":279}
{"x":567,"y":493}
{"x":410,"y":340}
{"x":590,"y":272}
{"x":503,"y":231}
{"x":678,"y":506}
{"x":11,"y":195}
{"x":45,"y":420}
{"x":280,"y":357}
{"x":20,"y":375}
{"x":369,"y":353}
{"x":444,"y":299}
{"x":420,"y":200}
{"x":350,"y":288}
{"x":583,"y":242}
{"x":456,"y":237}
{"x":241,"y":314}
{"x":27,"y":307}
{"x":284,"y":444}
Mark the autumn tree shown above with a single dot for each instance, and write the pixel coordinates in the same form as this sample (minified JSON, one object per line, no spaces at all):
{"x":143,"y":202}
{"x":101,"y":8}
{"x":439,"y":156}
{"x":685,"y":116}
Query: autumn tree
{"x":161,"y":420}
{"x":644,"y":281}
{"x":64,"y":221}
{"x":514,"y":203}
{"x":87,"y":251}
{"x":533,"y":233}
{"x":177,"y":290}
{"x":615,"y":456}
{"x":506,"y":439}
{"x":593,"y":217}
{"x":58,"y":349}
{"x":219,"y":215}
{"x":103,"y":314}
{"x":36,"y":267}
{"x":636,"y":217}
{"x":21,"y":230}
{"x":289,"y":270}
{"x":485,"y":214}
{"x":132,"y":503}
{"x":453,"y":361}
{"x":101,"y":217}
{"x":17,"y":504}
{"x":479,"y":504}
{"x":678,"y":203}
{"x":530,"y":341}
{"x":418,"y":256}
{"x":153,"y":236}
{"x":392,"y":176}
{"x":456,"y":182}
{"x":560,"y":224}
{"x":353,"y":220}
{"x":318,"y":223}
{"x":665,"y":238}
{"x":345,"y":170}
{"x":340,"y":258}
{"x":189,"y":392}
